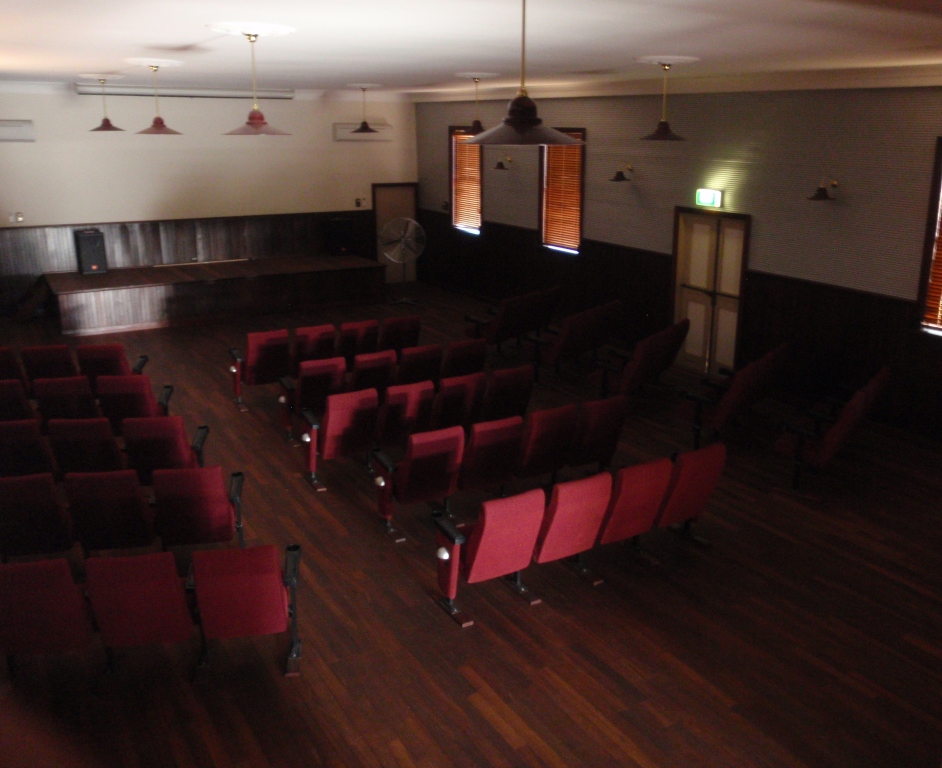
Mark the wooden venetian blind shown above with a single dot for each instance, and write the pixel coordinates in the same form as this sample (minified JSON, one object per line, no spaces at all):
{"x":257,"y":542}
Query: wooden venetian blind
{"x":933,"y":314}
{"x":465,"y":181}
{"x":562,"y":194}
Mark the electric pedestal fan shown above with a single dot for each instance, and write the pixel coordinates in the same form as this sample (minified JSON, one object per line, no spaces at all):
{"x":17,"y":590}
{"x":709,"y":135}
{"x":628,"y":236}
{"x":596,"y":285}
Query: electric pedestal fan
{"x":402,"y":241}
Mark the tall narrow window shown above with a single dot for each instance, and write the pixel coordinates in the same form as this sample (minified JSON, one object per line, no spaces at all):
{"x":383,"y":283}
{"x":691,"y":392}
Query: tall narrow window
{"x":465,"y":180}
{"x":562,"y":193}
{"x":932,"y":318}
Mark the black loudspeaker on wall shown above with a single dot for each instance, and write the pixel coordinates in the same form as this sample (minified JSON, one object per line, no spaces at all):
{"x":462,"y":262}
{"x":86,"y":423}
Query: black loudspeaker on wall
{"x":90,"y":247}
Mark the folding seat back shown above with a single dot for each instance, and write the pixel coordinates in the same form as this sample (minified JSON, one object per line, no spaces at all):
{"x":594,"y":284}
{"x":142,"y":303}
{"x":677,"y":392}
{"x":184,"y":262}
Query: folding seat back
{"x":637,"y":497}
{"x":582,"y":332}
{"x":51,"y":361}
{"x":542,"y":307}
{"x":84,"y":445}
{"x":504,"y":537}
{"x":692,"y":482}
{"x":10,"y":367}
{"x":14,"y":404}
{"x":597,"y":432}
{"x":641,"y":369}
{"x":397,"y":333}
{"x":668,"y":344}
{"x":406,"y":410}
{"x":429,"y":471}
{"x":314,"y":342}
{"x":131,"y":396}
{"x":820,"y":452}
{"x":23,"y":449}
{"x":743,"y":391}
{"x":43,"y":610}
{"x":547,"y":441}
{"x":138,"y":600}
{"x":349,"y":423}
{"x":373,"y":370}
{"x":317,"y":380}
{"x":357,"y":338}
{"x":458,"y":400}
{"x":507,"y":393}
{"x":157,"y":443}
{"x":464,"y":357}
{"x":574,"y":516}
{"x":192,"y":506}
{"x":873,"y":389}
{"x":103,"y":360}
{"x":419,"y":364}
{"x":490,"y":454}
{"x":32,"y":519}
{"x":108,"y":510}
{"x":267,"y":357}
{"x":65,"y":398}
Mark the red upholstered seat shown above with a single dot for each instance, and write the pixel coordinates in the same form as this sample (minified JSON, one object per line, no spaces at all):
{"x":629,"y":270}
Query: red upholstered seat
{"x":347,"y":427}
{"x":243,"y":593}
{"x":23,"y":449}
{"x":397,"y":333}
{"x":598,"y":430}
{"x":43,"y":611}
{"x":580,"y":333}
{"x":651,"y":357}
{"x":316,"y":381}
{"x":357,"y":338}
{"x":105,"y":360}
{"x":547,"y":441}
{"x":84,"y":445}
{"x":695,"y":475}
{"x":637,"y":497}
{"x":458,"y":400}
{"x":507,"y":393}
{"x":10,"y":367}
{"x":32,"y":519}
{"x":160,"y":443}
{"x":267,"y":357}
{"x":14,"y":404}
{"x":490,"y":454}
{"x":193,"y":506}
{"x":314,"y":342}
{"x":373,"y":370}
{"x":516,"y":316}
{"x":429,"y":471}
{"x":129,"y":396}
{"x":51,"y":361}
{"x":138,"y":600}
{"x":65,"y":398}
{"x":464,"y":357}
{"x":574,"y":517}
{"x":108,"y":510}
{"x":406,"y":410}
{"x":500,"y":543}
{"x":419,"y":364}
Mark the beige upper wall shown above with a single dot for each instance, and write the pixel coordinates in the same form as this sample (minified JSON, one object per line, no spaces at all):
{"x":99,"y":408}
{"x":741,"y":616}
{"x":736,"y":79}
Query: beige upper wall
{"x":72,"y":176}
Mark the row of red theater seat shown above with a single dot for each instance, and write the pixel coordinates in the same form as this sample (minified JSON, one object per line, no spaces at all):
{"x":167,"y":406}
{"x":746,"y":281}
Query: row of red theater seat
{"x":579,"y":334}
{"x":56,"y":361}
{"x":108,"y":510}
{"x":89,"y":445}
{"x":516,"y":316}
{"x":646,"y":361}
{"x":140,"y":600}
{"x":270,"y":355}
{"x":512,"y":532}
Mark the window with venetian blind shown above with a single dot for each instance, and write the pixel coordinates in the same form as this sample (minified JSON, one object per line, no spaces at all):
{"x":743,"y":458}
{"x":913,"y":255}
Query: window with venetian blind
{"x":562,"y":193}
{"x":932,"y":318}
{"x":465,"y":180}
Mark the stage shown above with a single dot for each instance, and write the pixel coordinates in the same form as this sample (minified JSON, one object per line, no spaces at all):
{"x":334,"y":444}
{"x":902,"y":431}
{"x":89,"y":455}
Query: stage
{"x":153,"y":297}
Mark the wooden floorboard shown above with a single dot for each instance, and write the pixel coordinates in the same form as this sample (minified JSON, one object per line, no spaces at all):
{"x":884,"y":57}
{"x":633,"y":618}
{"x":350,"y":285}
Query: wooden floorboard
{"x":809,"y":635}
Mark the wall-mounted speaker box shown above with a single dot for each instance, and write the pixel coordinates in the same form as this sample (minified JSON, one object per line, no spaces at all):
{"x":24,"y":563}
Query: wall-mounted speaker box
{"x":90,"y":248}
{"x":17,"y":130}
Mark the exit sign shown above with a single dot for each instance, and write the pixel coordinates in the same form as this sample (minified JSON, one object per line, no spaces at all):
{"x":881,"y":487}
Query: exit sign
{"x":710,"y":198}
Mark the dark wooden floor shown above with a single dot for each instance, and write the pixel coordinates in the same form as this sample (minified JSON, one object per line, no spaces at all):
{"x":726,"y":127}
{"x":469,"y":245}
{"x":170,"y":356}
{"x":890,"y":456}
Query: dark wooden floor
{"x":809,"y":634}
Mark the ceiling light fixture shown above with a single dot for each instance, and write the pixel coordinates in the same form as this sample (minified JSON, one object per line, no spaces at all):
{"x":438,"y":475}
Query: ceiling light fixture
{"x":256,"y":125}
{"x":823,"y":192}
{"x":158,"y":127}
{"x":521,"y":126}
{"x":106,"y":124}
{"x":663,"y":131}
{"x":477,"y":126}
{"x":623,"y":175}
{"x":364,"y":126}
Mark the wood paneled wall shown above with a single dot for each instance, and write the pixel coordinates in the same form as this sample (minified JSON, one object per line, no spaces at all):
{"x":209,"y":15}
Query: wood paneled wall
{"x":27,"y":252}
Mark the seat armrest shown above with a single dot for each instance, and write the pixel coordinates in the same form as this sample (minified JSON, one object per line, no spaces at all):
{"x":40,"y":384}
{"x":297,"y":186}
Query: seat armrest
{"x":199,"y":440}
{"x":385,"y":460}
{"x":236,"y":480}
{"x":310,"y":418}
{"x":287,"y":383}
{"x":236,"y":355}
{"x":292,"y":564}
{"x":139,"y":364}
{"x":447,"y":528}
{"x":164,"y":401}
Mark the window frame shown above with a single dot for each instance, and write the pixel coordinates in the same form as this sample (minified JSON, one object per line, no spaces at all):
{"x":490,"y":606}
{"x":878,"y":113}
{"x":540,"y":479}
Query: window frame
{"x":932,"y":248}
{"x":544,"y":160}
{"x":453,"y":132}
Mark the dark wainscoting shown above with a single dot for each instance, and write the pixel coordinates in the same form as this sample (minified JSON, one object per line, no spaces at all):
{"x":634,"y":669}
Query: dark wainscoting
{"x":505,"y":261}
{"x":27,"y":252}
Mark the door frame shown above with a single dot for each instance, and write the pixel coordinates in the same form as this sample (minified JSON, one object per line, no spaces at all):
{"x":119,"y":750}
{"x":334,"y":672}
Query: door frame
{"x":679,"y":211}
{"x":415,"y":201}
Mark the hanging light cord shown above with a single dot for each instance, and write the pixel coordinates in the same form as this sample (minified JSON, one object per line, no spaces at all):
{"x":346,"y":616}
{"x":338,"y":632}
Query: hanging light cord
{"x":154,"y":69}
{"x":104,"y":105}
{"x":252,"y":38}
{"x":523,"y":51}
{"x":666,"y":68}
{"x":363,"y":92}
{"x":476,"y":81}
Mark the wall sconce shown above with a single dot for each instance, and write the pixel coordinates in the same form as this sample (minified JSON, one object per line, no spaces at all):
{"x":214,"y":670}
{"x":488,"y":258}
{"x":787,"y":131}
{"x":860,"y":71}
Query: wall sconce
{"x":624,"y":175}
{"x":823,"y":192}
{"x":502,"y":165}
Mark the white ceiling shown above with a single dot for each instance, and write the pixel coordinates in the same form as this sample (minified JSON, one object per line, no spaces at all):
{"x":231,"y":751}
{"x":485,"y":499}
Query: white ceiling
{"x":416,"y":47}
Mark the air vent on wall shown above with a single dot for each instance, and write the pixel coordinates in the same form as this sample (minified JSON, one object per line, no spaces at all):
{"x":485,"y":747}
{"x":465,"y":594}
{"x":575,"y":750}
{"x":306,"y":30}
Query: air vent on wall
{"x":17,"y":130}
